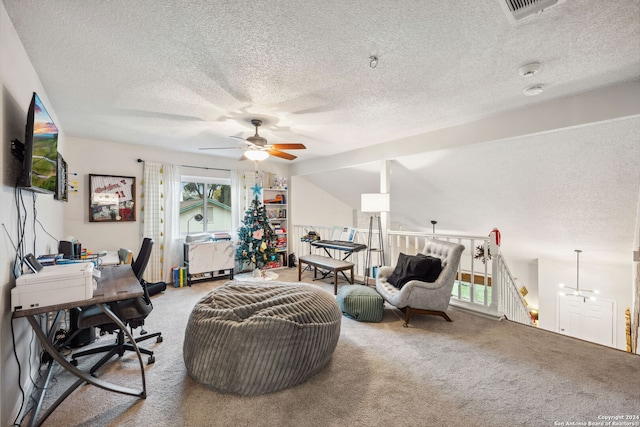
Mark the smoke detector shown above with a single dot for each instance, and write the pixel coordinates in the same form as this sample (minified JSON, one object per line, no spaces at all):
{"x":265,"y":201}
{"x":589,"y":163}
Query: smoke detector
{"x":529,"y":70}
{"x":534,"y":90}
{"x":520,"y":9}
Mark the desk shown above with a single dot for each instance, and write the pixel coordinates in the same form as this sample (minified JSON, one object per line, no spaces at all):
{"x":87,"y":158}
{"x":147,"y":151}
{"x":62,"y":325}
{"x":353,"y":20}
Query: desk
{"x":111,"y":258}
{"x":116,"y":283}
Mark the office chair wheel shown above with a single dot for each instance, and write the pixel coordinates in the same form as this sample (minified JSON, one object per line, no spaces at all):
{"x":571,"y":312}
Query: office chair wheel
{"x":159,"y":339}
{"x":151,"y":360}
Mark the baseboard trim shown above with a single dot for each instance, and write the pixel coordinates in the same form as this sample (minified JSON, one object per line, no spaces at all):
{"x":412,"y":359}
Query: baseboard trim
{"x":477,"y":310}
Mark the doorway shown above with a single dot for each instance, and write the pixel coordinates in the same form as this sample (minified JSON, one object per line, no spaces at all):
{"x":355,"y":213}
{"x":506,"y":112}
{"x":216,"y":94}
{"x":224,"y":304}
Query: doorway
{"x":586,"y":319}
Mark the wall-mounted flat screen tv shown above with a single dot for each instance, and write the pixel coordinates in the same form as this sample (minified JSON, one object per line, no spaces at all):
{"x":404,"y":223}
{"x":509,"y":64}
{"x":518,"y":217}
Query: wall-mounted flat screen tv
{"x":40,"y":165}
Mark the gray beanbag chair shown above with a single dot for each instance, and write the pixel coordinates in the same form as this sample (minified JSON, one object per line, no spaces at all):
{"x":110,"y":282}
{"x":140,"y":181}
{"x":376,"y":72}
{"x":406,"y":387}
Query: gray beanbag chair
{"x":252,"y":338}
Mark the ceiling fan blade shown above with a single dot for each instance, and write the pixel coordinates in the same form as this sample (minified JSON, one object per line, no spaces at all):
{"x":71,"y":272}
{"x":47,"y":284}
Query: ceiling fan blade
{"x":281,"y":154}
{"x":219,"y":148}
{"x":237,"y":137}
{"x":287,"y":146}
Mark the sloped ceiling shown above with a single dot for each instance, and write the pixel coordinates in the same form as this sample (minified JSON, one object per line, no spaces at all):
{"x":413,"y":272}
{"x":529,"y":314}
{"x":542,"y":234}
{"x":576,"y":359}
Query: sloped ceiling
{"x":185,"y":75}
{"x":548,"y":194}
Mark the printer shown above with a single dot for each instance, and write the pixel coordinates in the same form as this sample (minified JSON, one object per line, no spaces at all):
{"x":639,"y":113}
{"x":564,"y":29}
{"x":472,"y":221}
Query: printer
{"x":56,"y":284}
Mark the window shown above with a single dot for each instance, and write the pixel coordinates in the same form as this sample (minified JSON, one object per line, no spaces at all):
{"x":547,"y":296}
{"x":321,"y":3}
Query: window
{"x":205,"y":205}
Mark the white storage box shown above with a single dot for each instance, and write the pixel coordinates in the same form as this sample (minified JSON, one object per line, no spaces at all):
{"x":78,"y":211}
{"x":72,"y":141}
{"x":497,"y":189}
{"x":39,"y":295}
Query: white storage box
{"x":56,"y":284}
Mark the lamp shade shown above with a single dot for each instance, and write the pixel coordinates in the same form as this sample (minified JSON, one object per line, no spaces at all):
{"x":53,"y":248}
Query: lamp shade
{"x":375,"y":202}
{"x":256,"y":155}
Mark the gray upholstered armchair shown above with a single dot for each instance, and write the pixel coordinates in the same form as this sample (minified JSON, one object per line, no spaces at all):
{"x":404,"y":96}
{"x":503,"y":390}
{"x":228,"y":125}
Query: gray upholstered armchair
{"x":424,"y":297}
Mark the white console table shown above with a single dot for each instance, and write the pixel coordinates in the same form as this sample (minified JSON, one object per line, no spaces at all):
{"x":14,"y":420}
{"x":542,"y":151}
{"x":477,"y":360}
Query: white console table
{"x":210,"y":259}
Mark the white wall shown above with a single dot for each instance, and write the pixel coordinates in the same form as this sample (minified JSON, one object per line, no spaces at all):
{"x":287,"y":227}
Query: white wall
{"x":85,"y":156}
{"x":612,"y":280}
{"x":19,"y":80}
{"x":311,"y":205}
{"x":526,"y":274}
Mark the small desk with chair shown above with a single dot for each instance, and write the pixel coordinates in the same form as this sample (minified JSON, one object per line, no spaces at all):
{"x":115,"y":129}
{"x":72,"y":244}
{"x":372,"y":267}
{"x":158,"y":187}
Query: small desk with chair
{"x":116,"y":283}
{"x":131,"y":311}
{"x":119,"y":299}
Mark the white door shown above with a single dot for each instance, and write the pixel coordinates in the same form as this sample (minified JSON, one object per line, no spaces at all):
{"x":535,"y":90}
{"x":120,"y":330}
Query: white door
{"x":586,"y":319}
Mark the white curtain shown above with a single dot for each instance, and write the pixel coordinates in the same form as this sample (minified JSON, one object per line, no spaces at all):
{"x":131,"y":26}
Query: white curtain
{"x":160,"y":198}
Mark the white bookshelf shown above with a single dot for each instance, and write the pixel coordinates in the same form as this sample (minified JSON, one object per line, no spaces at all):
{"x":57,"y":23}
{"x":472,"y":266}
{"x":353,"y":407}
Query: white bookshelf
{"x":276,"y":205}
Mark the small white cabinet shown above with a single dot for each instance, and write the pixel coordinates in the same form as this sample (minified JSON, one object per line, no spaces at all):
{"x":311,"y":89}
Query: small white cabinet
{"x":208,"y":260}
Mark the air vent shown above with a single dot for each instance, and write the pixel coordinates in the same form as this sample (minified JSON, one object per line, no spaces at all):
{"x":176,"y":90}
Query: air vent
{"x":520,"y":9}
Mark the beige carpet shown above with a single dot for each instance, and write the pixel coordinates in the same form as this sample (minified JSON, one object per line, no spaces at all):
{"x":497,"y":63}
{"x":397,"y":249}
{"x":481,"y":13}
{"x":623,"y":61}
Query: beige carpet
{"x":474,"y":371}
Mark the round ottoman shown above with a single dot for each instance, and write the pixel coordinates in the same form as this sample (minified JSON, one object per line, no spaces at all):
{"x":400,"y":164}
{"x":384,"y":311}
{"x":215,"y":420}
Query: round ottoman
{"x":361,"y":303}
{"x":251,"y":338}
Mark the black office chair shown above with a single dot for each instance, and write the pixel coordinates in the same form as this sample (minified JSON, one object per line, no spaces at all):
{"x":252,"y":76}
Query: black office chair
{"x":132,"y":312}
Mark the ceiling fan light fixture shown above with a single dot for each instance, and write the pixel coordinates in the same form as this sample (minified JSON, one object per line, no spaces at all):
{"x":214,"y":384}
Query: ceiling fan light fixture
{"x":256,"y":155}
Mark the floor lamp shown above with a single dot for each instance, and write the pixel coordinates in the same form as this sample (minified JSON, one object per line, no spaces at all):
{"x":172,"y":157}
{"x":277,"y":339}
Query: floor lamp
{"x":375,"y":203}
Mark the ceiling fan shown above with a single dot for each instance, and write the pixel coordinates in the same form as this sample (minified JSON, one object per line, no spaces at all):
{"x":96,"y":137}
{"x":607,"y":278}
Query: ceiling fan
{"x":259,"y":149}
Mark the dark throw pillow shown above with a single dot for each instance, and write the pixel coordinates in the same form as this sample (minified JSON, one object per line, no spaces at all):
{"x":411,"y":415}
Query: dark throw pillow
{"x":418,"y":267}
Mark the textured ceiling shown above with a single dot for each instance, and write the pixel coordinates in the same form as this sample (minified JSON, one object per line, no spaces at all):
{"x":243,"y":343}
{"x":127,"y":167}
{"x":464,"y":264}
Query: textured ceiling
{"x":190,"y":74}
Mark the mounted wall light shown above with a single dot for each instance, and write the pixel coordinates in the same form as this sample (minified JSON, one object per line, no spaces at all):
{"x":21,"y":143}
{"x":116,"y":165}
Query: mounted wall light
{"x":373,"y":61}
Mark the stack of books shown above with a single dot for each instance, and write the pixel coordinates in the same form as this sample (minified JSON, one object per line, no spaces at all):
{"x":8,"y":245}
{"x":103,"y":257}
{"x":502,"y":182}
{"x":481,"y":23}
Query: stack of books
{"x":49,"y":259}
{"x":179,"y":276}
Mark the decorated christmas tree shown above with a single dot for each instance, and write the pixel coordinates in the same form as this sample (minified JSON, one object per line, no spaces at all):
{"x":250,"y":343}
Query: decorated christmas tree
{"x":256,"y":238}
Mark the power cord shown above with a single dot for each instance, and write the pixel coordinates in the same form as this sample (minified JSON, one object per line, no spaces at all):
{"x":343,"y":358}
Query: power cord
{"x":15,"y":354}
{"x":45,"y":230}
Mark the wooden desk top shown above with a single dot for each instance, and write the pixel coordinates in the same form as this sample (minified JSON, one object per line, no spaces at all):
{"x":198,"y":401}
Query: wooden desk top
{"x":117,"y":282}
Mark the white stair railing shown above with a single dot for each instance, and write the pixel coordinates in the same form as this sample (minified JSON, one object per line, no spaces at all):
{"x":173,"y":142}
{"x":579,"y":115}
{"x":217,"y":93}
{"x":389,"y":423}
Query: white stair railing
{"x":472,"y":288}
{"x":483,"y":283}
{"x":511,"y":301}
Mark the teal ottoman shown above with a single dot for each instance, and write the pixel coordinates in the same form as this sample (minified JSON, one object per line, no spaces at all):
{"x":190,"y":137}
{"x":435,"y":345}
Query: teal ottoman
{"x":361,"y":303}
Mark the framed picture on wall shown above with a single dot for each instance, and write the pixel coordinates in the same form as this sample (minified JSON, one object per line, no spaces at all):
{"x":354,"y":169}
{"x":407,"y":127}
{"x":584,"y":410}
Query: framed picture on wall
{"x":112,"y":198}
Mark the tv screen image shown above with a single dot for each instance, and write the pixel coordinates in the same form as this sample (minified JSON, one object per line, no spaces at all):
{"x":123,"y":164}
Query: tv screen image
{"x":41,"y":150}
